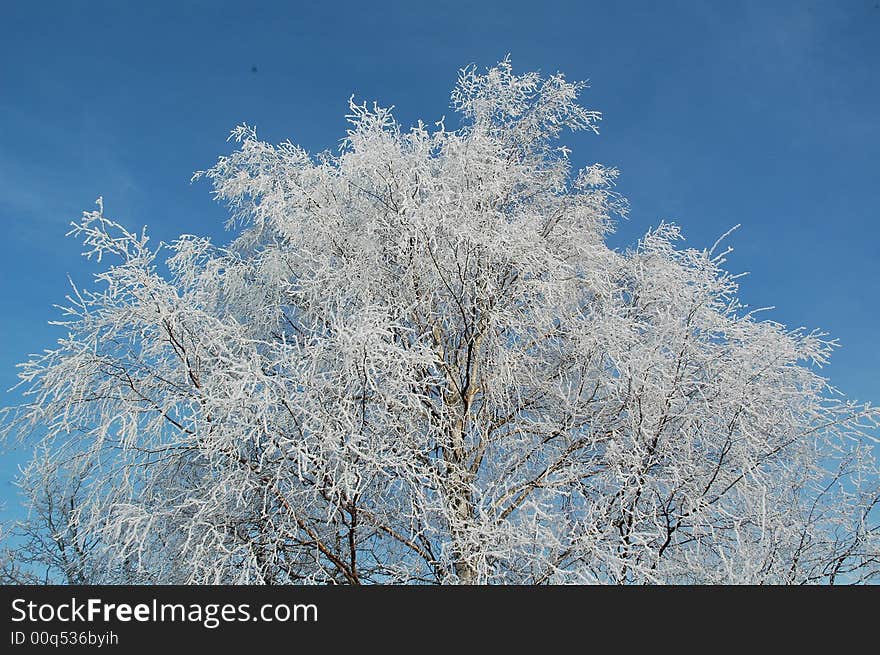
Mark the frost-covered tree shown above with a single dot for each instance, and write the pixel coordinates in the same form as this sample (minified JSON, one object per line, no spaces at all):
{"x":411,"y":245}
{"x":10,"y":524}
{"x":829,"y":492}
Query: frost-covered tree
{"x":417,"y":361}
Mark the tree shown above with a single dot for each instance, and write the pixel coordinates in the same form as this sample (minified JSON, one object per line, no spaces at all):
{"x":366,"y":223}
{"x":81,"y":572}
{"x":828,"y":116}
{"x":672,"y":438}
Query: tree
{"x":418,"y":361}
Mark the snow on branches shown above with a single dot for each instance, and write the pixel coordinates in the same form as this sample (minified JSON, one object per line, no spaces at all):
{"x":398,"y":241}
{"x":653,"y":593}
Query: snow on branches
{"x":418,"y":361}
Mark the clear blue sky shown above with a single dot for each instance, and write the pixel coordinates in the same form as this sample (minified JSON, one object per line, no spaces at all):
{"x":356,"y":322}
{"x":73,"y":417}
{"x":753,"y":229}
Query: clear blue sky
{"x":717,"y":113}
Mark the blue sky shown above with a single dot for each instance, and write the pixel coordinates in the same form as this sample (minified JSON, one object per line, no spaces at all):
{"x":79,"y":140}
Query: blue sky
{"x":717,"y":113}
